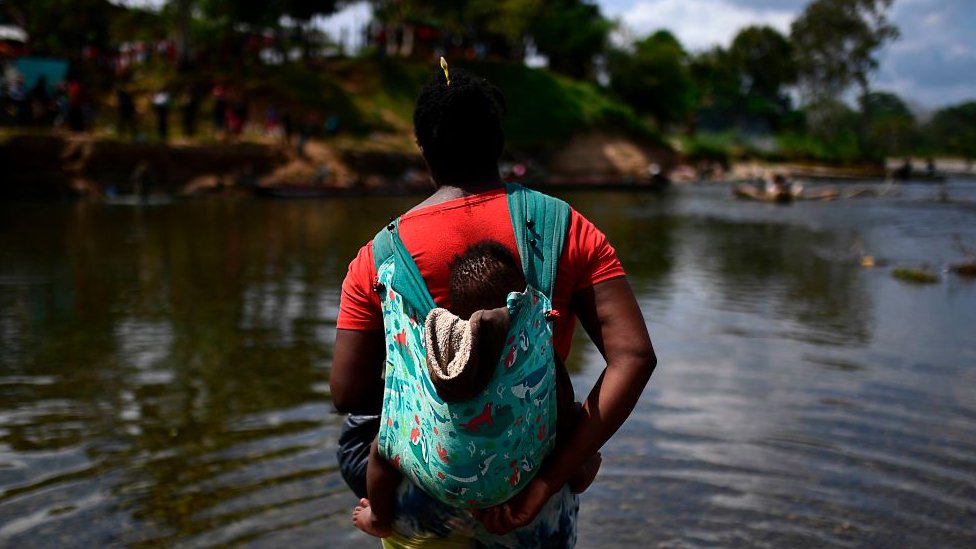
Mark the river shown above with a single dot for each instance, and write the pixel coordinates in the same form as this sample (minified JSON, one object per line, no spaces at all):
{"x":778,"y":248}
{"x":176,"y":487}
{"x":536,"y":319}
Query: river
{"x":164,"y":373}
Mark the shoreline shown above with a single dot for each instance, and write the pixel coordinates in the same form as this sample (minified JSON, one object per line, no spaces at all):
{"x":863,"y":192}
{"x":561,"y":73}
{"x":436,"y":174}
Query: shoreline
{"x":50,"y":165}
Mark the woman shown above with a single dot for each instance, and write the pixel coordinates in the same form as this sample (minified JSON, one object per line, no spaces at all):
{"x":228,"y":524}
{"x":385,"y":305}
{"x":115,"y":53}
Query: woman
{"x":457,"y":122}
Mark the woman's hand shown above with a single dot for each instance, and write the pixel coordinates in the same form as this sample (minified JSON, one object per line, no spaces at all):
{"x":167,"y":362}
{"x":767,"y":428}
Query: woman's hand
{"x":519,"y":511}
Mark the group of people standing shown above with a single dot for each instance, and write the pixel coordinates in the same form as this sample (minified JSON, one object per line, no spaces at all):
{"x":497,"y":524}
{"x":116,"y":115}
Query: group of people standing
{"x":66,"y":105}
{"x":140,"y":115}
{"x":162,"y":102}
{"x":230,"y":116}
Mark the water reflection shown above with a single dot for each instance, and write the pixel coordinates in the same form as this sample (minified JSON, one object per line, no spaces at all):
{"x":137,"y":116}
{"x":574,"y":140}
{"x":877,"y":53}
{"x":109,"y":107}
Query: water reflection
{"x":163,"y":375}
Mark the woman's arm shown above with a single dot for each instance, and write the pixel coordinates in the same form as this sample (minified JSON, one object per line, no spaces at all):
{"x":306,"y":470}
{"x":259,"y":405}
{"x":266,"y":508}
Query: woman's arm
{"x":610,"y":315}
{"x":356,"y":380}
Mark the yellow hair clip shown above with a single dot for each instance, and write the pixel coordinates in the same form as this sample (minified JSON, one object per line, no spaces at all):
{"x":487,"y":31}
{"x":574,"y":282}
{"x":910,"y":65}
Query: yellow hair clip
{"x":447,"y":75}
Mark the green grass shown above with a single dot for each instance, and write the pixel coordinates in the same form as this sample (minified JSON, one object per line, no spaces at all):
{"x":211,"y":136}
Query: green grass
{"x":546,"y":109}
{"x":373,"y":95}
{"x":843,"y":150}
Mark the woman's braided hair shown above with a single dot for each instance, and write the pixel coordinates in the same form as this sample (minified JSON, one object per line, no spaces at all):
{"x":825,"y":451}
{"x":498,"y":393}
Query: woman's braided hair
{"x":459,"y":126}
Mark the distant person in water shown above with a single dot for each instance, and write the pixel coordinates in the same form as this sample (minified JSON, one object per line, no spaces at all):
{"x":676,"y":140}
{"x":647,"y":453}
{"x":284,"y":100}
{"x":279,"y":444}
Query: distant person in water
{"x":481,"y":280}
{"x":905,"y":170}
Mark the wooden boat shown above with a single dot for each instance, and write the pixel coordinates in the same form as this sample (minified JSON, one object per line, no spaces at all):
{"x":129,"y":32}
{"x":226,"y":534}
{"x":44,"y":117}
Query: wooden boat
{"x":750,"y":192}
{"x":785,"y":196}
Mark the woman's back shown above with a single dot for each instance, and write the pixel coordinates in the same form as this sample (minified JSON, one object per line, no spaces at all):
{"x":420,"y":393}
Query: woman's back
{"x":435,"y":234}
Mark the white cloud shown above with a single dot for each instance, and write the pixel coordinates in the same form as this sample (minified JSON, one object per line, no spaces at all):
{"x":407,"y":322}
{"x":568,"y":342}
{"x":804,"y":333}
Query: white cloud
{"x":699,"y":24}
{"x":347,"y":24}
{"x":146,"y":4}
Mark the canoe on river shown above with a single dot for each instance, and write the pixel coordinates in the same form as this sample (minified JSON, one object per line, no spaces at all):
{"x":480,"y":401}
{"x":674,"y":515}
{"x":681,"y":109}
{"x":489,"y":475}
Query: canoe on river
{"x":785,"y":196}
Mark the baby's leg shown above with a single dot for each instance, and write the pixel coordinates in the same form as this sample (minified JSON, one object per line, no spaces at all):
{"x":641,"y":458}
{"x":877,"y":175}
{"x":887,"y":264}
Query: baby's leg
{"x":375,"y":515}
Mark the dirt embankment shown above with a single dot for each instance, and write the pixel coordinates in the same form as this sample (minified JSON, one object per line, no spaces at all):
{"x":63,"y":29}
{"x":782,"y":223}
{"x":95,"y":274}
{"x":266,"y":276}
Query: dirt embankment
{"x":52,"y":166}
{"x":49,"y":166}
{"x":55,"y":166}
{"x":606,"y":154}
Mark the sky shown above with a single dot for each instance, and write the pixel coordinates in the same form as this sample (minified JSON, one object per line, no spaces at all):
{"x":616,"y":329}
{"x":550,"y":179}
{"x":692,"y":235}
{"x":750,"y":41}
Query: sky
{"x":932,"y":65}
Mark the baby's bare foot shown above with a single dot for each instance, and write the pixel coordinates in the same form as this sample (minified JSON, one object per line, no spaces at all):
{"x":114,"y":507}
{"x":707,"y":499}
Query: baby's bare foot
{"x":579,"y":482}
{"x":363,"y":518}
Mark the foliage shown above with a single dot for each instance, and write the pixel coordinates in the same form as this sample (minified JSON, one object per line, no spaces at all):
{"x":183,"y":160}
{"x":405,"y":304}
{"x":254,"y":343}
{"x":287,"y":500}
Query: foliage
{"x":765,"y":59}
{"x":743,"y":87}
{"x":510,"y":19}
{"x":953,"y":130}
{"x":713,"y":147}
{"x":728,"y":101}
{"x":571,"y":33}
{"x":655,"y":79}
{"x":836,"y":41}
{"x":830,"y":132}
{"x":64,"y":28}
{"x":304,"y":10}
{"x":717,"y":91}
{"x":545,"y":109}
{"x":891,"y":127}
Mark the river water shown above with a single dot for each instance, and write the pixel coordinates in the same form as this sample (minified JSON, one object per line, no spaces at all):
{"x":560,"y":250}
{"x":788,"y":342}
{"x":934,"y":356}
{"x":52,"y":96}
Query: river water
{"x":164,"y":373}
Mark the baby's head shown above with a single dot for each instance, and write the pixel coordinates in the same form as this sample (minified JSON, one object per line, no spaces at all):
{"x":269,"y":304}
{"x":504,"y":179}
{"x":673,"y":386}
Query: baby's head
{"x":482,"y":277}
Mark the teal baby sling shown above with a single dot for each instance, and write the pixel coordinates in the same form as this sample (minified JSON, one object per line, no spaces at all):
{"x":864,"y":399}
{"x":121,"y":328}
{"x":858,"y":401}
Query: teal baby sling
{"x":478,"y":452}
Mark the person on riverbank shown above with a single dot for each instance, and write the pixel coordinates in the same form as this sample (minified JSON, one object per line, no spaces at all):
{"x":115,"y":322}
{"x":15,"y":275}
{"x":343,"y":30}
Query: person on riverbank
{"x":127,"y":113}
{"x":218,"y":115}
{"x":189,"y":107}
{"x":18,"y":98}
{"x":463,"y":349}
{"x":161,"y":107}
{"x":77,"y":99}
{"x":457,"y":123}
{"x":40,"y":101}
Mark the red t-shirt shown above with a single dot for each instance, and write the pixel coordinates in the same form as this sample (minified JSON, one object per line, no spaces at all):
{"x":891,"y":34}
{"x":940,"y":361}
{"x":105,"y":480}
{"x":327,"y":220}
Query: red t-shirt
{"x":435,"y":234}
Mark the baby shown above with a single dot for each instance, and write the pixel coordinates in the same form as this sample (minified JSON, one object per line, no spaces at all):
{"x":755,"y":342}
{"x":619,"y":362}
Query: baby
{"x":481,"y":279}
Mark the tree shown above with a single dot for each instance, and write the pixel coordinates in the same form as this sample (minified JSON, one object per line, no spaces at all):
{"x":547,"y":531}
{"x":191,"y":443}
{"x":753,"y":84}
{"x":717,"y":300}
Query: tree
{"x":302,"y":12}
{"x":654,"y":79}
{"x":64,"y":27}
{"x":835,"y":128}
{"x":509,"y":20}
{"x":836,"y":42}
{"x":953,"y":130}
{"x":765,"y":59}
{"x":892,"y":130}
{"x":571,"y":33}
{"x":183,"y":15}
{"x":717,"y":90}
